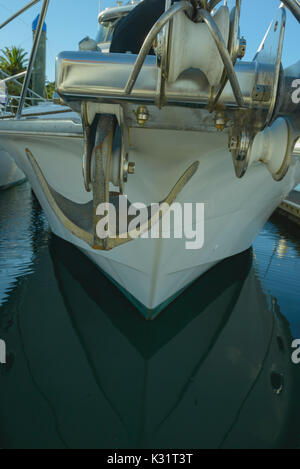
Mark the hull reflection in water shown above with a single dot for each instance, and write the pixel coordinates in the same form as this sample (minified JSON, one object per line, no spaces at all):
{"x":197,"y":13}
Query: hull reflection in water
{"x":22,"y":225}
{"x":86,"y":371}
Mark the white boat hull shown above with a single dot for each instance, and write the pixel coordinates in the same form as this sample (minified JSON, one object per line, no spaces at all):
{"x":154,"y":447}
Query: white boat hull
{"x":152,"y":272}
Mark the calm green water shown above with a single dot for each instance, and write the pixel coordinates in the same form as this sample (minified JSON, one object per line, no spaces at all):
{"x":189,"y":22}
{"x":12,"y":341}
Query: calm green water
{"x":85,"y":370}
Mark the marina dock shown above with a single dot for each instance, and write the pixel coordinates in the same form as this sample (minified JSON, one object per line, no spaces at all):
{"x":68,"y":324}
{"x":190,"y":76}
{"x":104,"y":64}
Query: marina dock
{"x":291,"y":207}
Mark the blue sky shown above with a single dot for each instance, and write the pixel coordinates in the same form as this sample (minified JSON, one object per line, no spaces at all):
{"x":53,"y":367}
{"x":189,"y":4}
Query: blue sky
{"x":69,"y":21}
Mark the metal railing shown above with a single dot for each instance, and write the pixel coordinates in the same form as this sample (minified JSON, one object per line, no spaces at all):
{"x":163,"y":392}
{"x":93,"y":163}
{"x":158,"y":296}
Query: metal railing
{"x":202,"y":10}
{"x":14,"y":78}
{"x":15,"y":15}
{"x":12,"y":104}
{"x":292,"y":5}
{"x":33,"y":54}
{"x":28,"y":73}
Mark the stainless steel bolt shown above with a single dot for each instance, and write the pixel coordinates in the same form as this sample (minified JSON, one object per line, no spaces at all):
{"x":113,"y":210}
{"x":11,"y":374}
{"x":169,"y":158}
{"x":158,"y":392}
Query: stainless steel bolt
{"x":131,"y":168}
{"x":242,"y":48}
